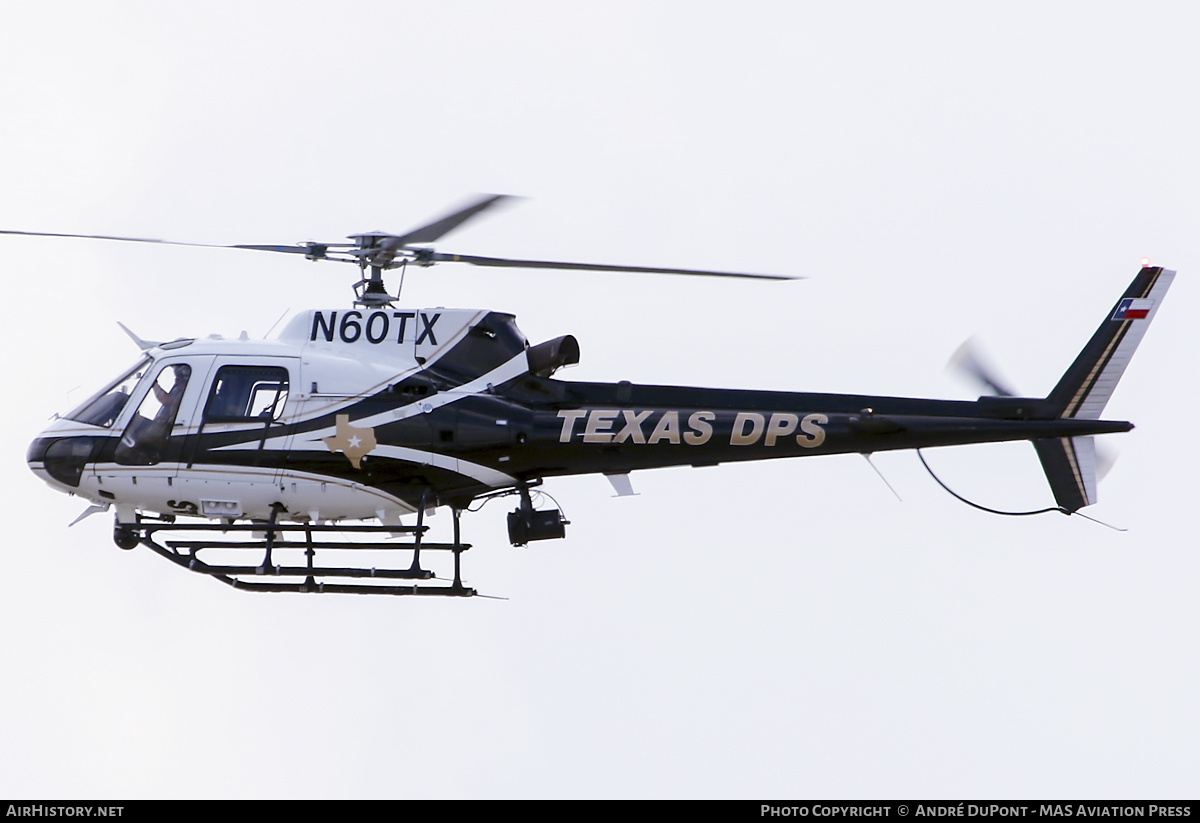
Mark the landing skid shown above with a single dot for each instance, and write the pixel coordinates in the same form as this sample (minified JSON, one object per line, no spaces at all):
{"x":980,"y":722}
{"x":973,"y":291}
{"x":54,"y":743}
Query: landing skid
{"x":271,"y":576}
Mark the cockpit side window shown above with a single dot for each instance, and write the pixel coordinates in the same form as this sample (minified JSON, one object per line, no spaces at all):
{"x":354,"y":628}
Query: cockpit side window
{"x":146,"y":435}
{"x":102,"y":408}
{"x":243,"y":394}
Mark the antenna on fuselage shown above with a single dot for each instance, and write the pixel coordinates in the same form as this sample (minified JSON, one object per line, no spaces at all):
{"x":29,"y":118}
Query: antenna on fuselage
{"x":144,"y":345}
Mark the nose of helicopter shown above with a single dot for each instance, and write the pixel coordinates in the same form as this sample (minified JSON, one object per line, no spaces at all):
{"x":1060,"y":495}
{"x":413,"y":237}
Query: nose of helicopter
{"x":35,"y":455}
{"x":59,"y":461}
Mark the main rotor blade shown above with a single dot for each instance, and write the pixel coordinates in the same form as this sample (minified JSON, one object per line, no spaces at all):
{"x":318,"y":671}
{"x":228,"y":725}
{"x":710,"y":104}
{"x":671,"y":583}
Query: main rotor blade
{"x":440,"y":228}
{"x":286,"y":249}
{"x":439,"y":257}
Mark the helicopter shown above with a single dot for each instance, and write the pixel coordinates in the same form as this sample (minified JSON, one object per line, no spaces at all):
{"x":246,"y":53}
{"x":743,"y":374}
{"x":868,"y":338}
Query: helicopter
{"x":324,"y":437}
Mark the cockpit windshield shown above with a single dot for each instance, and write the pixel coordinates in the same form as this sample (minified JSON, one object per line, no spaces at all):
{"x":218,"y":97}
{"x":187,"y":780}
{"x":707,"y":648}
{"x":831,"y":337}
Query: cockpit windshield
{"x":102,"y":408}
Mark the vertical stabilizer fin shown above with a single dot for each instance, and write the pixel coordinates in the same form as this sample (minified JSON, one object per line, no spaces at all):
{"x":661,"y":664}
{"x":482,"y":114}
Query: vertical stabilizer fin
{"x":1087,"y":385}
{"x":1085,"y":388}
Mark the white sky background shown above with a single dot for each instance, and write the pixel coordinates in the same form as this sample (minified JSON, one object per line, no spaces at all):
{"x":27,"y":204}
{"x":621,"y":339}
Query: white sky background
{"x":781,"y":630}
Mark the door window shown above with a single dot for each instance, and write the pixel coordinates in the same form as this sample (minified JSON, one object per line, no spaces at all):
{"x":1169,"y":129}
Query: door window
{"x":145,"y":437}
{"x":243,"y":394}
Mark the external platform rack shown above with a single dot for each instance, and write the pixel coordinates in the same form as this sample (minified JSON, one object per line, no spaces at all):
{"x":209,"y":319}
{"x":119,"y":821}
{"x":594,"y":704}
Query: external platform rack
{"x":269,"y":576}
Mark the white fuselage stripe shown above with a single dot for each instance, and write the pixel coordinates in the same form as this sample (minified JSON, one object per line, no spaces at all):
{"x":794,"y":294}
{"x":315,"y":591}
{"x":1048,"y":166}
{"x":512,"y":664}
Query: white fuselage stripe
{"x":515,"y":367}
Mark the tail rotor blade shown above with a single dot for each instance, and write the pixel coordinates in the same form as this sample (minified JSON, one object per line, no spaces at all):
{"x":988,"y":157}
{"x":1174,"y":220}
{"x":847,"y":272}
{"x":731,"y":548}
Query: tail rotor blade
{"x":1106,"y":458}
{"x":969,"y":360}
